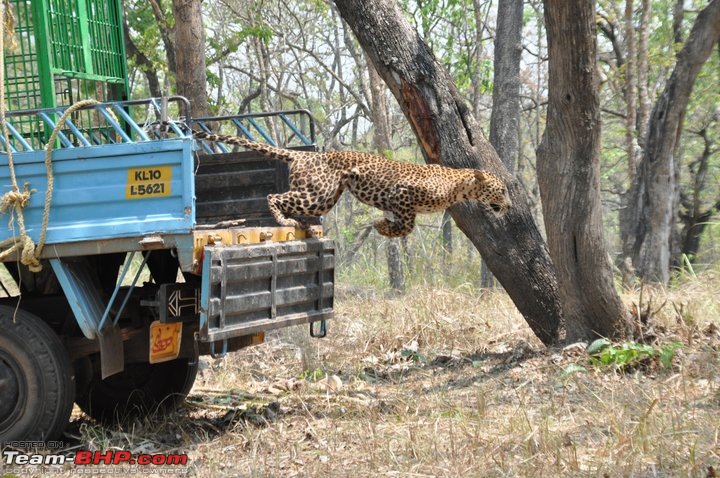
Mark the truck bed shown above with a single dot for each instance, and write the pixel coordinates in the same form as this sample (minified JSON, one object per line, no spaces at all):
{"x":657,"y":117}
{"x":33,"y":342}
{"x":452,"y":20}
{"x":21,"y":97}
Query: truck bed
{"x":120,"y":187}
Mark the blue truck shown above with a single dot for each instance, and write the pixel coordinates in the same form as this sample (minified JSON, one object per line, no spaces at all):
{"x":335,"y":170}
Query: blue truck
{"x":131,"y":249}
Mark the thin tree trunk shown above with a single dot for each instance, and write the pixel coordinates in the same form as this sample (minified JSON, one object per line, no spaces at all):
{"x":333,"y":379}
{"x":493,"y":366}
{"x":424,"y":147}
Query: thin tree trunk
{"x":651,"y":211}
{"x":568,"y":167}
{"x":631,"y":146}
{"x":694,"y":219}
{"x":166,"y":34}
{"x":678,"y":14}
{"x":447,"y":239}
{"x":505,"y":116}
{"x":449,"y":134}
{"x":643,"y":113}
{"x":143,"y":62}
{"x":381,"y":138}
{"x":190,"y":58}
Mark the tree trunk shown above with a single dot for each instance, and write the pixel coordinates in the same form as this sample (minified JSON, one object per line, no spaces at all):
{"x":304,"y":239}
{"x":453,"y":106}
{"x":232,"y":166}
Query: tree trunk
{"x":449,"y":134}
{"x":447,"y":239}
{"x":190,"y":57}
{"x":652,"y":210}
{"x":166,"y":33}
{"x":381,"y":138}
{"x":643,"y":107}
{"x":505,"y":116}
{"x":631,"y":146}
{"x":568,"y":164}
{"x":694,"y":219}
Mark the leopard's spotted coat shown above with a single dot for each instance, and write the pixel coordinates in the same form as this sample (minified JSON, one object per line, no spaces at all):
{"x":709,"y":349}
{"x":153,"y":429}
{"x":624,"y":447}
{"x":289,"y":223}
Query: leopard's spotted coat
{"x":317,"y":179}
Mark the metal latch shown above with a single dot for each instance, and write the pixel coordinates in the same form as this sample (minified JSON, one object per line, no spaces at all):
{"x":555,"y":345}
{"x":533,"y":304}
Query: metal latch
{"x":320,"y":333}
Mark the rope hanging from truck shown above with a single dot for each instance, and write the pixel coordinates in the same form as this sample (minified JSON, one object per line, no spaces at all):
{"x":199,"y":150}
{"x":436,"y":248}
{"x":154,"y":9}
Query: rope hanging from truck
{"x":15,"y":200}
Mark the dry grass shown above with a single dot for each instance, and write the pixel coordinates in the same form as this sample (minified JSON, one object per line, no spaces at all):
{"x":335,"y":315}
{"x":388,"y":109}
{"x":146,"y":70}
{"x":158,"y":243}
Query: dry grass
{"x":446,"y":383}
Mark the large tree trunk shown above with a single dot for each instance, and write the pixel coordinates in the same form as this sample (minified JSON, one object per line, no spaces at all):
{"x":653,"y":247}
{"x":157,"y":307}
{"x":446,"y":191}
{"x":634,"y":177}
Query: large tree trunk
{"x":651,"y":211}
{"x":190,"y":56}
{"x":505,"y":116}
{"x":449,"y":134}
{"x":569,"y":175}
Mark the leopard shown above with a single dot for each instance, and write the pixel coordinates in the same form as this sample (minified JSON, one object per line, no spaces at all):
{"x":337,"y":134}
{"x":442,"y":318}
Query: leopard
{"x":401,"y":190}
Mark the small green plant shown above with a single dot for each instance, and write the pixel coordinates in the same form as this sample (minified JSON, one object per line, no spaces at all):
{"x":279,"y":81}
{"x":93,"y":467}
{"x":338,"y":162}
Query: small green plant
{"x":312,"y":375}
{"x":629,"y":354}
{"x":412,"y":355}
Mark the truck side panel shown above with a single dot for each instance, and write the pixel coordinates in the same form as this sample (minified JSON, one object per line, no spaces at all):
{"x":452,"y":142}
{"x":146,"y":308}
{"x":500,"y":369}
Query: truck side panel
{"x":120,"y":190}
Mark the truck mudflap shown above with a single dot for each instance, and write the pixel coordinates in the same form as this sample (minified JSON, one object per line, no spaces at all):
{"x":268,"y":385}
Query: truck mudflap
{"x":251,"y":288}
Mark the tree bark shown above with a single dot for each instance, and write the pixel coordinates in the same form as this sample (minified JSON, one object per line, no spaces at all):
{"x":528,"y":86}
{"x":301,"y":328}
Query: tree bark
{"x":651,"y":211}
{"x":694,"y":219}
{"x":190,"y":57}
{"x":505,"y":116}
{"x":568,"y":164}
{"x":449,"y":134}
{"x":631,"y":146}
{"x":643,"y":107}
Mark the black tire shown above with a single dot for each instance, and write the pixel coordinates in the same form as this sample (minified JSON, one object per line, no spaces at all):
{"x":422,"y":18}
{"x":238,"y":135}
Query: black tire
{"x":141,"y":389}
{"x":37,"y":386}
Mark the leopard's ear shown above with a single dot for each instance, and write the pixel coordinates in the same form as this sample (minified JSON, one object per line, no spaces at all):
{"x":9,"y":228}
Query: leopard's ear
{"x":481,"y":176}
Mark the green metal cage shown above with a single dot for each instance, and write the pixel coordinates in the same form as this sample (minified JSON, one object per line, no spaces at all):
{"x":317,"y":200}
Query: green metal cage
{"x":66,"y":51}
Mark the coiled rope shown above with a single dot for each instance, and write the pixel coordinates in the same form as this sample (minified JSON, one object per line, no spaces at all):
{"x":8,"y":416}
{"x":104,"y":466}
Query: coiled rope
{"x":16,"y":200}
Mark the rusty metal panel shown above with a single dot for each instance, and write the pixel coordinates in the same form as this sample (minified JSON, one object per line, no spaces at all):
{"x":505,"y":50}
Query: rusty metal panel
{"x":246,"y":289}
{"x":236,"y":185}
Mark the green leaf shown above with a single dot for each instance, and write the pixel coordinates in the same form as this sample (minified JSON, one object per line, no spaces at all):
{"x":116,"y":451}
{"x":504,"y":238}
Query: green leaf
{"x":573,"y":368}
{"x":597,"y":346}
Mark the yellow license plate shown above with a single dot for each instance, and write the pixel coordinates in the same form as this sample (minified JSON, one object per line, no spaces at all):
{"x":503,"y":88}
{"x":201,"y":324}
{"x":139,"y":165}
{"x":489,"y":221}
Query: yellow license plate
{"x":148,"y":182}
{"x":164,"y":341}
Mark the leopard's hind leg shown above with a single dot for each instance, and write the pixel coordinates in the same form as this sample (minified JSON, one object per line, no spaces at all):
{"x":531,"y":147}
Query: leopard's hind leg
{"x":401,"y":225}
{"x":306,"y":202}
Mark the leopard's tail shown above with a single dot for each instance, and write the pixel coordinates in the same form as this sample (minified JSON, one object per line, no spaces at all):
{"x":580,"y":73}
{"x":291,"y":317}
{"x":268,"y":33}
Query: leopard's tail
{"x":264,"y":149}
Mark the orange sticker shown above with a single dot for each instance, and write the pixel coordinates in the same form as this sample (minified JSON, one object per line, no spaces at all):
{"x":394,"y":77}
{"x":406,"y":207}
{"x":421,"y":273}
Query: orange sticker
{"x":164,"y":341}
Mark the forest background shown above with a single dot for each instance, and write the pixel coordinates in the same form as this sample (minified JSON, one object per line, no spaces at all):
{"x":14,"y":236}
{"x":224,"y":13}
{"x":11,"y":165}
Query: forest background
{"x":269,"y":55}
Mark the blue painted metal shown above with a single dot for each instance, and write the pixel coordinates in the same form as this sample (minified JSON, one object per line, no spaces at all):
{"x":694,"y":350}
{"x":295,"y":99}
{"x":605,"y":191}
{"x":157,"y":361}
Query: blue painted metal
{"x":81,"y":294}
{"x":130,"y":289}
{"x":18,"y":137}
{"x":242,"y":129}
{"x":295,"y":126}
{"x":119,"y":110}
{"x":110,"y":303}
{"x":205,"y":295}
{"x":261,"y":130}
{"x":222,"y":353}
{"x":89,"y":195}
{"x":66,"y":143}
{"x":78,"y":134}
{"x":91,"y":212}
{"x":120,"y":280}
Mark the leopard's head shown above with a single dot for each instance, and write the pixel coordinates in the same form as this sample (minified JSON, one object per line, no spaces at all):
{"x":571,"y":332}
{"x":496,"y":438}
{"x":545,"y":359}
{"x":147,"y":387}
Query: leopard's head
{"x":490,"y":190}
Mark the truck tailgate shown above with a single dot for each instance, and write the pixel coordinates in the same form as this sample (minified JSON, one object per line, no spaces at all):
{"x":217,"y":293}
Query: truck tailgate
{"x":251,"y":288}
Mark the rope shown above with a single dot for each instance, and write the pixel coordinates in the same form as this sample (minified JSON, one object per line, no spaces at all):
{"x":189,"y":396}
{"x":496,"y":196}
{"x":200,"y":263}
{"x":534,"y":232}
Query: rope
{"x":16,"y":200}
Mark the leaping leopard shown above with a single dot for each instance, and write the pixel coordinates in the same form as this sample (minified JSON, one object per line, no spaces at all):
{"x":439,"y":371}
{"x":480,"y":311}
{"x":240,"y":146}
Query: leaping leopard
{"x":317,"y":179}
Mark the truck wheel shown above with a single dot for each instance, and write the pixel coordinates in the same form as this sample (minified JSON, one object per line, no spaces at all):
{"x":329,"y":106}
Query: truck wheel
{"x":37,"y":386}
{"x":139,"y":390}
